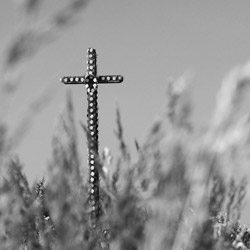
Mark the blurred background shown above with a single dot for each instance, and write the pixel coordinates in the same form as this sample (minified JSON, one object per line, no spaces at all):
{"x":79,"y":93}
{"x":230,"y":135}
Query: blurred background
{"x":148,"y":42}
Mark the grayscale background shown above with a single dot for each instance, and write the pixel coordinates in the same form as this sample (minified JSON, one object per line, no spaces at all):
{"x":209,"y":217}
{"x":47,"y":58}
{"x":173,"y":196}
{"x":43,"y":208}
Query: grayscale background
{"x":148,"y":42}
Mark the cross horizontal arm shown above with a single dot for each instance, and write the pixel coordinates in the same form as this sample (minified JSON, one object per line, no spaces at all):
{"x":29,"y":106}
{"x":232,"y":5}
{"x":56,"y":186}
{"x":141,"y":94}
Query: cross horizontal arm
{"x":73,"y":80}
{"x":110,"y":79}
{"x":100,"y":79}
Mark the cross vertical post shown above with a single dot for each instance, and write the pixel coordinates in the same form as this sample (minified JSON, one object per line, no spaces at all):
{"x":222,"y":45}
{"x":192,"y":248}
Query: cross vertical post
{"x":91,"y":81}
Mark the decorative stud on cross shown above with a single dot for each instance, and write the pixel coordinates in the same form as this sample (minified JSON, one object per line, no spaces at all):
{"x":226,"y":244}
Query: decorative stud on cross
{"x":91,"y":81}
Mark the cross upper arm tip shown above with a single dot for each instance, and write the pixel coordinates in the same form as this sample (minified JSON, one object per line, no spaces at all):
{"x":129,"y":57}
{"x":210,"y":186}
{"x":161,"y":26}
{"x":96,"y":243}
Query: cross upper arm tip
{"x":91,"y":50}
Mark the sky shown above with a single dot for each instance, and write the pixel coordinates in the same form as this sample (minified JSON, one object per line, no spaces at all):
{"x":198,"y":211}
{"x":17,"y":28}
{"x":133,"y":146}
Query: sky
{"x":146,"y":41}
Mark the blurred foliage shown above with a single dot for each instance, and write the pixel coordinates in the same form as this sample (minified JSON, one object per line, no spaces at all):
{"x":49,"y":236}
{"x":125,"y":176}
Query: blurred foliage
{"x":175,"y":195}
{"x":180,"y":192}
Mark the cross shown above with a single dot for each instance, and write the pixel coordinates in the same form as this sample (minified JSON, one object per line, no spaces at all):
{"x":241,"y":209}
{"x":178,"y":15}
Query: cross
{"x":91,"y":81}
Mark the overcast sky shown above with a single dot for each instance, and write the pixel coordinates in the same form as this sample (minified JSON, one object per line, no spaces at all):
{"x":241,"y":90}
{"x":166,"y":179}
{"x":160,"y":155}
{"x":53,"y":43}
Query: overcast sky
{"x":147,"y":41}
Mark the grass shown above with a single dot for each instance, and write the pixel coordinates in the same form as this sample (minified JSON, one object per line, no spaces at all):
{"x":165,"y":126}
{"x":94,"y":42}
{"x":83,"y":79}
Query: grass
{"x":177,"y":193}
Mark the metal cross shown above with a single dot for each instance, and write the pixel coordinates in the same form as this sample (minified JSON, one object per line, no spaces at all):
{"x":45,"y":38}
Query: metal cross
{"x":91,"y":81}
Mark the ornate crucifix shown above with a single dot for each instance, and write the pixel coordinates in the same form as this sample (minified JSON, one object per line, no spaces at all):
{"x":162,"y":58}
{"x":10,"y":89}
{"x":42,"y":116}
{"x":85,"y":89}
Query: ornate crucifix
{"x":91,"y":81}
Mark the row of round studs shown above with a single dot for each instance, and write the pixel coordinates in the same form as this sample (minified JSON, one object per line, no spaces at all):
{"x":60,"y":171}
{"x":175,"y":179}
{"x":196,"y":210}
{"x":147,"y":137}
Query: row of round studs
{"x":111,"y":78}
{"x":93,"y":128}
{"x":82,"y":79}
{"x":91,"y":64}
{"x":73,"y":79}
